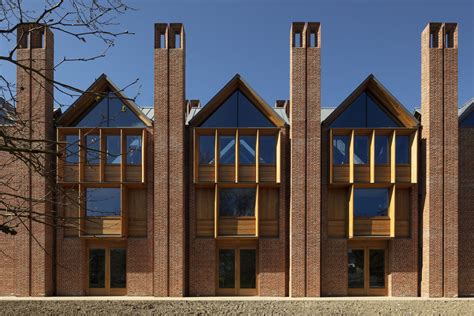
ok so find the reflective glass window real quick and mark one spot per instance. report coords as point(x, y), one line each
point(72, 149)
point(118, 268)
point(370, 202)
point(103, 202)
point(247, 150)
point(226, 150)
point(340, 150)
point(96, 268)
point(468, 121)
point(248, 268)
point(226, 268)
point(206, 150)
point(355, 268)
point(377, 117)
point(361, 150)
point(92, 149)
point(249, 115)
point(402, 149)
point(134, 150)
point(237, 202)
point(267, 150)
point(381, 149)
point(113, 149)
point(377, 268)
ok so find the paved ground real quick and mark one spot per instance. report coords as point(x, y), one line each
point(233, 306)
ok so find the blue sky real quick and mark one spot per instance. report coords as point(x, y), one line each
point(252, 38)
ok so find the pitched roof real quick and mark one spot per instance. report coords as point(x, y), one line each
point(88, 99)
point(7, 113)
point(386, 99)
point(236, 83)
point(465, 109)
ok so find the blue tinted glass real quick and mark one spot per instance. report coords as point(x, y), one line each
point(250, 115)
point(113, 149)
point(103, 202)
point(402, 149)
point(361, 150)
point(206, 150)
point(121, 115)
point(381, 149)
point(134, 150)
point(225, 115)
point(364, 112)
point(267, 150)
point(72, 149)
point(227, 150)
point(237, 111)
point(468, 121)
point(340, 150)
point(247, 150)
point(354, 115)
point(96, 116)
point(237, 202)
point(376, 117)
point(370, 202)
point(110, 112)
point(92, 149)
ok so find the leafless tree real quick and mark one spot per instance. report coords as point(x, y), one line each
point(84, 20)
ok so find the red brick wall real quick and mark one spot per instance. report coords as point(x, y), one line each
point(169, 222)
point(305, 111)
point(440, 139)
point(466, 211)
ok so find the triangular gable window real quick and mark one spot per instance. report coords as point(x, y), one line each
point(468, 121)
point(110, 111)
point(364, 112)
point(237, 111)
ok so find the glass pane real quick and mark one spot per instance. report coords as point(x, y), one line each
point(121, 115)
point(227, 150)
point(377, 117)
point(118, 270)
point(225, 115)
point(226, 268)
point(247, 150)
point(134, 150)
point(248, 268)
point(468, 121)
point(381, 149)
point(237, 202)
point(103, 202)
point(110, 112)
point(402, 149)
point(361, 150)
point(250, 115)
point(93, 149)
point(370, 202)
point(340, 150)
point(377, 268)
point(96, 116)
point(268, 150)
point(354, 115)
point(356, 269)
point(72, 149)
point(206, 150)
point(113, 149)
point(96, 268)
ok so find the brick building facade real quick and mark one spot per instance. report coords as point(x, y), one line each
point(237, 197)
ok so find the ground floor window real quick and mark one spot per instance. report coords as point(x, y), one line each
point(366, 270)
point(107, 270)
point(237, 271)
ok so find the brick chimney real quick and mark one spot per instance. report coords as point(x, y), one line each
point(305, 135)
point(35, 118)
point(169, 172)
point(439, 105)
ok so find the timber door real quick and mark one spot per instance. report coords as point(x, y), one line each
point(237, 271)
point(107, 271)
point(367, 272)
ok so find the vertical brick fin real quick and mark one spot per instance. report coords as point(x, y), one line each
point(439, 134)
point(176, 178)
point(161, 164)
point(450, 115)
point(313, 159)
point(297, 235)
